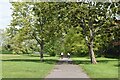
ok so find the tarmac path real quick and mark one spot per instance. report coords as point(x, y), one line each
point(68, 71)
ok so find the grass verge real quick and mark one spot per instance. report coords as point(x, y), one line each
point(24, 66)
point(105, 68)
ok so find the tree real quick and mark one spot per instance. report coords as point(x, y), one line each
point(34, 22)
point(49, 23)
point(92, 17)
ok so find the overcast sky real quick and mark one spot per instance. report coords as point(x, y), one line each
point(5, 13)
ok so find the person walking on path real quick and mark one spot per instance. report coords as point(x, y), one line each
point(61, 54)
point(68, 55)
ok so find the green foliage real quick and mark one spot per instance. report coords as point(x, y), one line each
point(62, 27)
point(6, 52)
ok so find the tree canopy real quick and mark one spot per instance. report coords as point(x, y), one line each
point(77, 28)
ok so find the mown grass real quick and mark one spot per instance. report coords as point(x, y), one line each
point(105, 68)
point(26, 66)
point(29, 66)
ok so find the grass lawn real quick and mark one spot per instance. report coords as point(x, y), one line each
point(24, 66)
point(105, 68)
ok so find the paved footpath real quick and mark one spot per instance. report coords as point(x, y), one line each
point(67, 71)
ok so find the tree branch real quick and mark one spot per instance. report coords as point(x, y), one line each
point(85, 32)
point(33, 35)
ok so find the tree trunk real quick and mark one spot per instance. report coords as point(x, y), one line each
point(41, 50)
point(91, 54)
point(89, 41)
point(91, 51)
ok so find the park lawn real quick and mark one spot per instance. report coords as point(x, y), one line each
point(105, 68)
point(24, 66)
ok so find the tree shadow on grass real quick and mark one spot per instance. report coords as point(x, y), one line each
point(55, 61)
point(37, 55)
point(77, 62)
point(118, 65)
point(48, 61)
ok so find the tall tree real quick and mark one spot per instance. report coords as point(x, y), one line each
point(36, 21)
point(45, 22)
point(92, 17)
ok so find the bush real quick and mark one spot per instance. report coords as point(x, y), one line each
point(52, 54)
point(6, 52)
point(109, 52)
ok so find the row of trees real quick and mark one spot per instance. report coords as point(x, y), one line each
point(62, 27)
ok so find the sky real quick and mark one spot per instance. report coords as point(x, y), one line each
point(5, 13)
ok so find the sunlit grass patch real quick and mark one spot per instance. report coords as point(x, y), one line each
point(23, 66)
point(105, 68)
